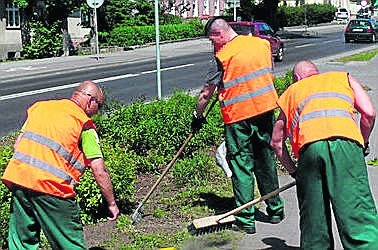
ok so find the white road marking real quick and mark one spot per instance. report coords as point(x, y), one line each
point(28, 68)
point(73, 85)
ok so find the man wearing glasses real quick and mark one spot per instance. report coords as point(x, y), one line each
point(57, 142)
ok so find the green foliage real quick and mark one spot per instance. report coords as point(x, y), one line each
point(193, 171)
point(121, 167)
point(46, 41)
point(125, 36)
point(5, 154)
point(314, 13)
point(156, 131)
point(282, 83)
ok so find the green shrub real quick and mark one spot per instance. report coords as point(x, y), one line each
point(156, 131)
point(194, 171)
point(46, 41)
point(282, 83)
point(125, 36)
point(309, 14)
point(121, 167)
point(6, 152)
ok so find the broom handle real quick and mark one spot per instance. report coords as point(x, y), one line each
point(169, 166)
point(257, 200)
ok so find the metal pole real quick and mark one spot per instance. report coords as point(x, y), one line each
point(96, 31)
point(234, 10)
point(158, 72)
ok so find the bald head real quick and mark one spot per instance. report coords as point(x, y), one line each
point(90, 88)
point(216, 25)
point(219, 32)
point(304, 69)
point(86, 94)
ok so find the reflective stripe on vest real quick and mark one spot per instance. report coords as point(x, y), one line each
point(44, 166)
point(59, 149)
point(248, 77)
point(247, 96)
point(321, 113)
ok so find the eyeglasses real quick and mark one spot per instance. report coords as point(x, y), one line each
point(99, 104)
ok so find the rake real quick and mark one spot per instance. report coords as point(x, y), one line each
point(138, 213)
point(224, 221)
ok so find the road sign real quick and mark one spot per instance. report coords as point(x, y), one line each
point(95, 3)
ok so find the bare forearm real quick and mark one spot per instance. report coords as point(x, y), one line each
point(204, 98)
point(102, 178)
point(366, 126)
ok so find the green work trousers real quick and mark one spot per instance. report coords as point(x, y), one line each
point(249, 154)
point(58, 218)
point(333, 173)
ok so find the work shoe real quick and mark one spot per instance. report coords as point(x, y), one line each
point(238, 228)
point(275, 219)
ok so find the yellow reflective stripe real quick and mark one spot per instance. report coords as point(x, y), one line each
point(44, 166)
point(59, 149)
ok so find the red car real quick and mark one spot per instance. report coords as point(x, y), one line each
point(262, 30)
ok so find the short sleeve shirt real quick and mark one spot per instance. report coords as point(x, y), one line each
point(91, 144)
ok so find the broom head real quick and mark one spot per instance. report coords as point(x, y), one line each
point(211, 224)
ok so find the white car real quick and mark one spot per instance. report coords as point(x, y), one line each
point(342, 14)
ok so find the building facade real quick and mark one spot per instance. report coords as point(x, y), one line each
point(197, 8)
point(10, 30)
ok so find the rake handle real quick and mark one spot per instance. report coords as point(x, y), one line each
point(169, 166)
point(257, 200)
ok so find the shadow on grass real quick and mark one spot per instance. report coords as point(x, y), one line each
point(218, 204)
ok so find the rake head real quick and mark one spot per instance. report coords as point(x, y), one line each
point(138, 214)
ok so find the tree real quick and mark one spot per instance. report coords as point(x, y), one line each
point(265, 11)
point(49, 13)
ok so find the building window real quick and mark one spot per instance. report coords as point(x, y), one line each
point(13, 15)
point(205, 7)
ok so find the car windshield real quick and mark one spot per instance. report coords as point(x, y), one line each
point(343, 10)
point(243, 29)
point(359, 24)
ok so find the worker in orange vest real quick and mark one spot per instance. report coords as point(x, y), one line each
point(318, 114)
point(243, 75)
point(57, 143)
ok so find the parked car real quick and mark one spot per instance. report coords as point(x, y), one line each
point(264, 31)
point(361, 30)
point(342, 14)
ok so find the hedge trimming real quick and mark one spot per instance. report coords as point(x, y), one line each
point(135, 139)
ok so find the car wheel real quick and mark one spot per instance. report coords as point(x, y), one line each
point(347, 40)
point(373, 38)
point(280, 54)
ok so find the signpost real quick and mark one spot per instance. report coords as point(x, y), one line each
point(95, 4)
point(157, 37)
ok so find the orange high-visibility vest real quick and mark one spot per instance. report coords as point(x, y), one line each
point(320, 107)
point(248, 88)
point(48, 158)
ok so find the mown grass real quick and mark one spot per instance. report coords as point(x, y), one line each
point(364, 56)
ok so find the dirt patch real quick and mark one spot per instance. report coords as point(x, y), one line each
point(170, 219)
